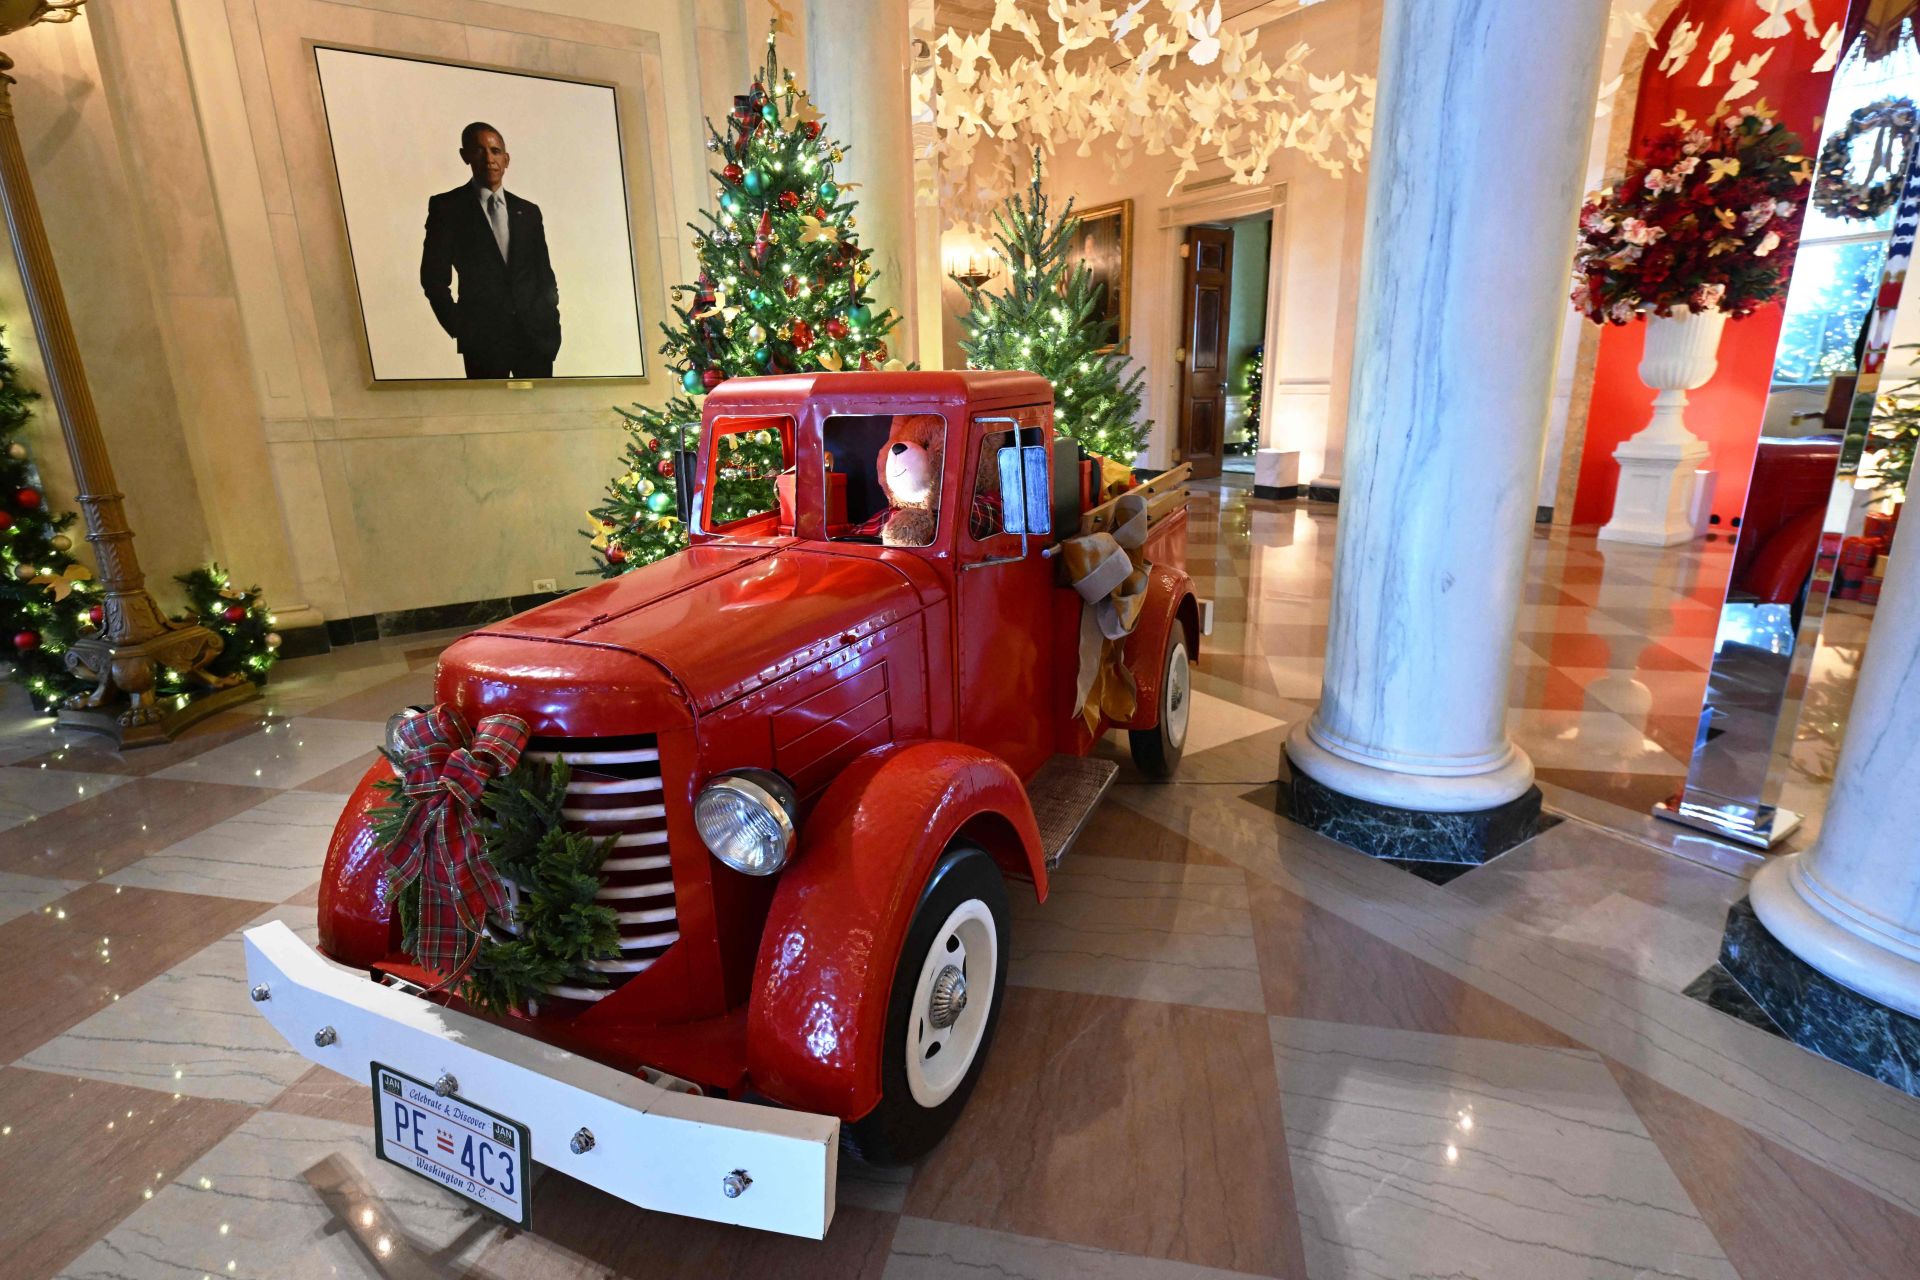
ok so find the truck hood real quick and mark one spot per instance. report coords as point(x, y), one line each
point(722, 621)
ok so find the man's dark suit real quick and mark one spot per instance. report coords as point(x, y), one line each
point(507, 317)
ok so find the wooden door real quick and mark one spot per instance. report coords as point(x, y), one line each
point(1203, 349)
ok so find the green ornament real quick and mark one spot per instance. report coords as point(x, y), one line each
point(860, 313)
point(763, 355)
point(660, 502)
point(828, 193)
point(754, 183)
point(690, 380)
point(729, 202)
point(770, 113)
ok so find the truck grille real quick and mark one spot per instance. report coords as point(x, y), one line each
point(615, 790)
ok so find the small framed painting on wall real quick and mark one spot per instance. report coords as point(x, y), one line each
point(486, 218)
point(1103, 244)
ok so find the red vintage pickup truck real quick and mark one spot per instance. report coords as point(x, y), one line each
point(823, 763)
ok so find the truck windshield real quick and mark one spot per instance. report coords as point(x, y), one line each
point(752, 479)
point(883, 474)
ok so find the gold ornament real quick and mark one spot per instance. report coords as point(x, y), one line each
point(273, 639)
point(61, 542)
point(629, 480)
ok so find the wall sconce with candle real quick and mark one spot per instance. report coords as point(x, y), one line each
point(973, 270)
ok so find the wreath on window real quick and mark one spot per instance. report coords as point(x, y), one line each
point(1890, 125)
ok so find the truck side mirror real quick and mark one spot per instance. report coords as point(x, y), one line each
point(1026, 497)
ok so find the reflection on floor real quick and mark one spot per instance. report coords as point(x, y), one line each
point(1229, 1047)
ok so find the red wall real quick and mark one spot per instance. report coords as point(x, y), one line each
point(1726, 412)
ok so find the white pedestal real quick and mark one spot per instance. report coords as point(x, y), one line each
point(1655, 505)
point(1276, 473)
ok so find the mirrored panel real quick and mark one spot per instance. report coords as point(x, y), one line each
point(1829, 478)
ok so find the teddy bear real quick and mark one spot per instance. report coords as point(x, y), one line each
point(910, 467)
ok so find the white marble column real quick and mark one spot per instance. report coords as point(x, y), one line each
point(1479, 150)
point(858, 57)
point(1850, 906)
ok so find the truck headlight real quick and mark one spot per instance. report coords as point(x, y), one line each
point(746, 818)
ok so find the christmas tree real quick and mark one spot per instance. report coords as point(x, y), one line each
point(782, 289)
point(45, 594)
point(1050, 320)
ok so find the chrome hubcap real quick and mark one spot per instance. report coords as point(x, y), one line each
point(949, 999)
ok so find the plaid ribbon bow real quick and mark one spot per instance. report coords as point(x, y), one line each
point(444, 770)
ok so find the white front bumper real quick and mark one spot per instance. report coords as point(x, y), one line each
point(652, 1147)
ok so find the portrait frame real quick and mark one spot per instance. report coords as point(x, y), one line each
point(1103, 243)
point(615, 273)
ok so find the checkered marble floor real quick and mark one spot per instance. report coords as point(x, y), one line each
point(1229, 1047)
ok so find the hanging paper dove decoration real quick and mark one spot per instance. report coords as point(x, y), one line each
point(1132, 78)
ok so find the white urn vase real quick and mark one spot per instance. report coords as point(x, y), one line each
point(1661, 477)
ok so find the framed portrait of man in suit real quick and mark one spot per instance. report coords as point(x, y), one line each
point(1103, 243)
point(487, 221)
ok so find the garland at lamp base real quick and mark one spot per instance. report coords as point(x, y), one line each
point(464, 813)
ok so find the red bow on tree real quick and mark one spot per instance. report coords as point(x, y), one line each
point(444, 771)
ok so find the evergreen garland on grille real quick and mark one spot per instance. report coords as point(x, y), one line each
point(559, 928)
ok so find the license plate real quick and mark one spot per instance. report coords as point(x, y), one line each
point(466, 1148)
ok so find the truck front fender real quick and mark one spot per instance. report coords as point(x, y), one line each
point(1169, 597)
point(816, 1018)
point(356, 923)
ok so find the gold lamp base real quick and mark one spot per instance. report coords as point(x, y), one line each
point(123, 704)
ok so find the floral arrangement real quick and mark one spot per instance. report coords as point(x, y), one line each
point(1706, 218)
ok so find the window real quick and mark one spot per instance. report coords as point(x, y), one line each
point(883, 475)
point(1837, 273)
point(985, 514)
point(752, 476)
point(986, 510)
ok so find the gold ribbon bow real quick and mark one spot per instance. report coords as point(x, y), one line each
point(1109, 571)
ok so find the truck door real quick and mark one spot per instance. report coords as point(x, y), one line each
point(1003, 615)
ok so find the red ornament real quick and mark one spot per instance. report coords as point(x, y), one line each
point(789, 201)
point(28, 498)
point(97, 614)
point(25, 640)
point(712, 378)
point(6, 521)
point(802, 335)
point(836, 327)
point(813, 128)
point(879, 351)
point(732, 173)
point(664, 468)
point(616, 556)
point(234, 613)
point(791, 285)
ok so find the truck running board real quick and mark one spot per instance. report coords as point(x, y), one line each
point(1064, 792)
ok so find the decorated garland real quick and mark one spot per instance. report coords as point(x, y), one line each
point(1836, 193)
point(492, 891)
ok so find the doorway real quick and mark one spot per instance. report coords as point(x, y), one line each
point(1222, 336)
